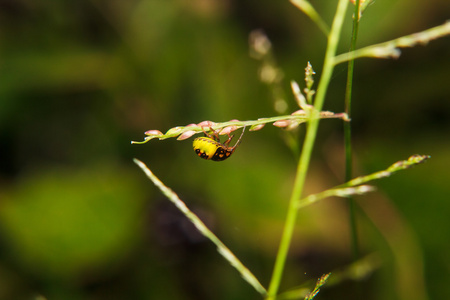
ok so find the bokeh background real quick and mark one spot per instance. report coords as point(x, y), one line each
point(81, 79)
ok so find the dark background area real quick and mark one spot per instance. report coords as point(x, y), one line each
point(81, 79)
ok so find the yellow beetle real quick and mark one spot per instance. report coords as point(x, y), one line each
point(209, 146)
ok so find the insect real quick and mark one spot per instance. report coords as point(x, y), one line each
point(210, 147)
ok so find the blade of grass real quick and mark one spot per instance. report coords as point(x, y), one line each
point(221, 248)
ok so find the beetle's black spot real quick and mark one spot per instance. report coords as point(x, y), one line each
point(221, 154)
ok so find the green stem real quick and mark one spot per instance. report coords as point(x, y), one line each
point(308, 145)
point(348, 135)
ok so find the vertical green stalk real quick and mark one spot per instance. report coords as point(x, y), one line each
point(308, 145)
point(348, 134)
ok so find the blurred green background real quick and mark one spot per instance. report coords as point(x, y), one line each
point(80, 79)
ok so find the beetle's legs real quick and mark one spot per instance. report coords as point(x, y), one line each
point(239, 140)
point(227, 142)
point(214, 137)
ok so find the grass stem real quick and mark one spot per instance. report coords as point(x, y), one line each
point(308, 145)
point(348, 134)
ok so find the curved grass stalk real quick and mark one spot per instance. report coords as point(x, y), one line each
point(290, 121)
point(221, 248)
